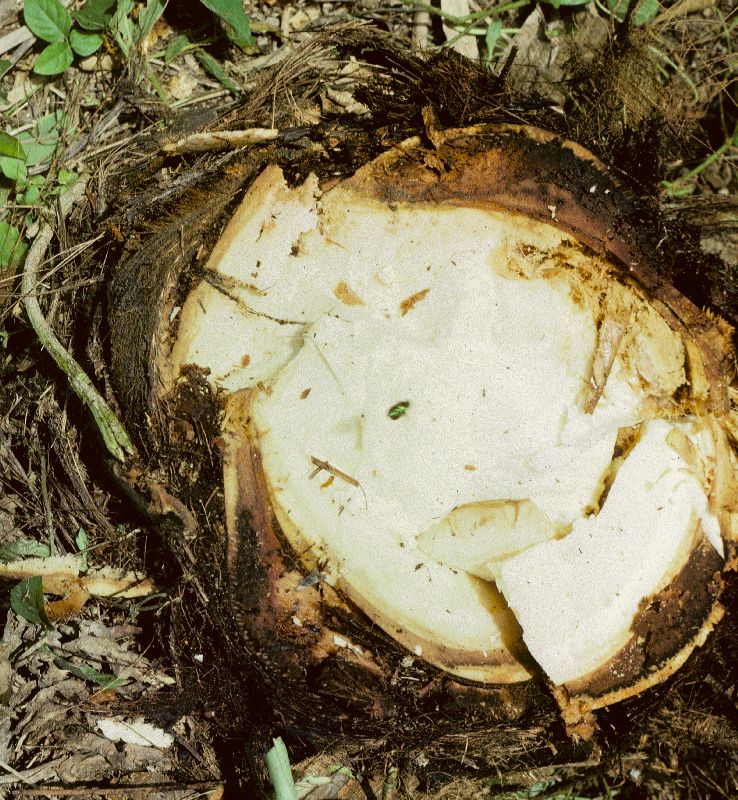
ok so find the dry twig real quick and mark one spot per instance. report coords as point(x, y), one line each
point(219, 140)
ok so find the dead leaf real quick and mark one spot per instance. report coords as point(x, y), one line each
point(465, 44)
point(535, 58)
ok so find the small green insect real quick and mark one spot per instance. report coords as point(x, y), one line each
point(398, 409)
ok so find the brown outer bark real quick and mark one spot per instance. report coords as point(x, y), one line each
point(143, 290)
point(667, 628)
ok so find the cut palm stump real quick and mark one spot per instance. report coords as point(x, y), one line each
point(459, 391)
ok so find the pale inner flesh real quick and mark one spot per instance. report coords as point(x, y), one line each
point(433, 414)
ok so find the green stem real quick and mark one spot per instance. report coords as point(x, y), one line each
point(280, 772)
point(674, 187)
point(390, 784)
point(112, 431)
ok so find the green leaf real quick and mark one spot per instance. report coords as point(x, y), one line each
point(47, 19)
point(27, 600)
point(10, 146)
point(13, 168)
point(491, 37)
point(215, 69)
point(85, 44)
point(176, 47)
point(12, 247)
point(122, 27)
point(40, 144)
point(106, 680)
point(48, 123)
point(54, 59)
point(23, 548)
point(645, 12)
point(5, 67)
point(398, 409)
point(39, 151)
point(148, 16)
point(94, 15)
point(66, 178)
point(31, 194)
point(232, 14)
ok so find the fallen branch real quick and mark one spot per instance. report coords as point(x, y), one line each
point(112, 431)
point(219, 140)
point(682, 9)
point(204, 789)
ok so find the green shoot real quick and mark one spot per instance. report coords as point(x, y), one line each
point(683, 185)
point(215, 69)
point(491, 37)
point(31, 150)
point(280, 771)
point(12, 248)
point(112, 431)
point(27, 600)
point(103, 679)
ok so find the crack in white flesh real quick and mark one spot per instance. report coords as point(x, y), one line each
point(421, 406)
point(576, 598)
point(245, 349)
point(476, 537)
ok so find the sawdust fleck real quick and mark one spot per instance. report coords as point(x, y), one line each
point(409, 303)
point(347, 295)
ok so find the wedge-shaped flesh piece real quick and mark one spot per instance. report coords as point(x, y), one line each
point(576, 599)
point(476, 537)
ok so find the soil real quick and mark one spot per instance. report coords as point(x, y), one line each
point(339, 82)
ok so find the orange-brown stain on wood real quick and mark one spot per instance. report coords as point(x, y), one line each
point(409, 302)
point(347, 295)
